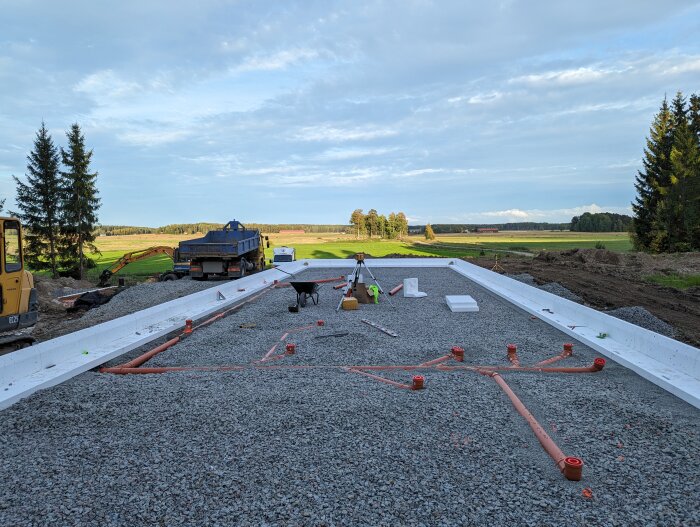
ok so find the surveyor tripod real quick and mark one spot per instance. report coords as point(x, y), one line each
point(354, 277)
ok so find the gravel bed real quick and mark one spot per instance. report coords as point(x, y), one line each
point(323, 446)
point(641, 317)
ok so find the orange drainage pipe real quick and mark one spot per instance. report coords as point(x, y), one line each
point(571, 467)
point(418, 381)
point(340, 285)
point(568, 352)
point(513, 355)
point(120, 370)
point(396, 290)
point(138, 361)
point(598, 364)
point(321, 281)
point(436, 361)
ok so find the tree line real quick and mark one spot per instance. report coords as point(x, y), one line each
point(456, 228)
point(601, 222)
point(57, 204)
point(667, 205)
point(203, 227)
point(374, 224)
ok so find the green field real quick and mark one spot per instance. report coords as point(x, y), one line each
point(343, 245)
point(675, 281)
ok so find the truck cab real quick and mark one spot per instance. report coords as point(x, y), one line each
point(282, 255)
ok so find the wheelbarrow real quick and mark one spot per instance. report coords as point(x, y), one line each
point(306, 290)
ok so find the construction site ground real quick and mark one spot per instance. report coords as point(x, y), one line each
point(300, 440)
point(607, 280)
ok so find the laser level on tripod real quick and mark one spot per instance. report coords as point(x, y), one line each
point(354, 277)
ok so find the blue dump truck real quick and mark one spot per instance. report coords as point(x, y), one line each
point(231, 252)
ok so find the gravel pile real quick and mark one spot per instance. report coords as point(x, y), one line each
point(322, 446)
point(552, 287)
point(132, 299)
point(641, 317)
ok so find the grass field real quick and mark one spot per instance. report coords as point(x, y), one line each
point(342, 245)
point(676, 281)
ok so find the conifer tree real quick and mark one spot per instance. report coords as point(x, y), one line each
point(694, 116)
point(38, 201)
point(682, 196)
point(655, 175)
point(80, 202)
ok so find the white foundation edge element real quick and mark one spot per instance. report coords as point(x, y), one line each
point(672, 365)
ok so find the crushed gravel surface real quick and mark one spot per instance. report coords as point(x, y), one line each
point(322, 446)
point(641, 317)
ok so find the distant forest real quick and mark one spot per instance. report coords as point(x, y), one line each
point(587, 222)
point(194, 228)
point(601, 222)
point(452, 228)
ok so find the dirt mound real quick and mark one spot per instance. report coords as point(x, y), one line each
point(596, 256)
point(48, 289)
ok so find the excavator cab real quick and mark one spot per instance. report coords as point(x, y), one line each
point(18, 298)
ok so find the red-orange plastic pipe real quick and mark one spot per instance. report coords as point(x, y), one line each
point(121, 370)
point(141, 359)
point(568, 351)
point(436, 361)
point(382, 379)
point(396, 289)
point(571, 467)
point(598, 364)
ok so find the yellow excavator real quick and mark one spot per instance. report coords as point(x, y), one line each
point(18, 298)
point(180, 268)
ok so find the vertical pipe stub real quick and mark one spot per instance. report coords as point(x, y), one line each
point(568, 348)
point(458, 353)
point(291, 349)
point(512, 349)
point(418, 382)
point(320, 322)
point(188, 327)
point(573, 468)
point(599, 363)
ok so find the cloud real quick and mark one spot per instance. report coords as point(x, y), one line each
point(106, 84)
point(344, 154)
point(277, 61)
point(582, 75)
point(326, 132)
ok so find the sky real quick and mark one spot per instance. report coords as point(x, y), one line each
point(300, 112)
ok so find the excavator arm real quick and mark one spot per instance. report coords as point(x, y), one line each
point(132, 257)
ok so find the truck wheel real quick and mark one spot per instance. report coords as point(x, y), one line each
point(167, 277)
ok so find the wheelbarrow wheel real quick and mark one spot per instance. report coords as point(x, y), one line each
point(302, 299)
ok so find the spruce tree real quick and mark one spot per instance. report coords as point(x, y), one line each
point(38, 201)
point(682, 197)
point(694, 116)
point(648, 182)
point(80, 202)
